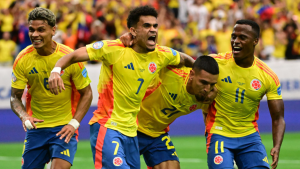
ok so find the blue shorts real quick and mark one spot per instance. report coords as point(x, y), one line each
point(247, 151)
point(156, 150)
point(111, 149)
point(42, 145)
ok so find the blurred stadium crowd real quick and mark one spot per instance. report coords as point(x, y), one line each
point(192, 26)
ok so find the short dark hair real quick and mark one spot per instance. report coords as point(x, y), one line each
point(40, 13)
point(253, 24)
point(134, 15)
point(207, 63)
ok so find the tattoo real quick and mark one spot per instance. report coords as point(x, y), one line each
point(16, 103)
point(186, 60)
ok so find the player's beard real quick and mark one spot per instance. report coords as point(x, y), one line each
point(200, 98)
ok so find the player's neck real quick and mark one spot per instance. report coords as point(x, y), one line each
point(246, 62)
point(47, 49)
point(137, 48)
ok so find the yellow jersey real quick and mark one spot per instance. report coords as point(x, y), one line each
point(235, 110)
point(166, 101)
point(124, 78)
point(33, 70)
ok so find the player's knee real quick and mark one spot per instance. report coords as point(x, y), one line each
point(170, 164)
point(58, 163)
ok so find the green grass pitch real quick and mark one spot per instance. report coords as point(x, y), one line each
point(191, 152)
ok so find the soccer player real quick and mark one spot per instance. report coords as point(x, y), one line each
point(50, 121)
point(231, 127)
point(180, 92)
point(125, 76)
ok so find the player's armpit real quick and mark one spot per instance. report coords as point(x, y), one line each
point(185, 60)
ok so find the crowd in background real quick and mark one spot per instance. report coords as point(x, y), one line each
point(192, 26)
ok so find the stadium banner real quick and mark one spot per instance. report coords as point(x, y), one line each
point(287, 71)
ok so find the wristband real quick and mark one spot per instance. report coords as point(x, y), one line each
point(28, 125)
point(74, 123)
point(56, 69)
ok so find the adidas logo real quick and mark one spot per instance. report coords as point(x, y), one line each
point(66, 152)
point(173, 95)
point(129, 66)
point(227, 79)
point(266, 160)
point(33, 71)
point(175, 154)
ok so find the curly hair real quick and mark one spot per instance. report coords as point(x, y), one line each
point(40, 13)
point(134, 15)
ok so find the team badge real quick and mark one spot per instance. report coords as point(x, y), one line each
point(173, 52)
point(62, 72)
point(13, 77)
point(117, 161)
point(152, 67)
point(193, 107)
point(84, 72)
point(218, 159)
point(98, 45)
point(255, 84)
point(279, 90)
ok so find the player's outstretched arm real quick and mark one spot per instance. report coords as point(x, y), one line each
point(55, 82)
point(19, 109)
point(185, 60)
point(84, 104)
point(276, 108)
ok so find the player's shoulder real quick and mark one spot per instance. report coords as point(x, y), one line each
point(177, 72)
point(23, 55)
point(63, 49)
point(164, 50)
point(266, 70)
point(108, 45)
point(222, 56)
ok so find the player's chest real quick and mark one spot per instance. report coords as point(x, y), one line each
point(241, 84)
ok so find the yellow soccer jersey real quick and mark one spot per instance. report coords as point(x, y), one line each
point(167, 102)
point(235, 110)
point(33, 70)
point(124, 78)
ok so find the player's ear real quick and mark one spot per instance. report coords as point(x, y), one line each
point(53, 30)
point(192, 74)
point(133, 32)
point(255, 42)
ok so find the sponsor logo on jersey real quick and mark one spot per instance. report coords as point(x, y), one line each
point(84, 72)
point(255, 84)
point(129, 66)
point(173, 52)
point(13, 77)
point(152, 67)
point(117, 161)
point(62, 72)
point(279, 90)
point(98, 45)
point(226, 79)
point(193, 107)
point(218, 159)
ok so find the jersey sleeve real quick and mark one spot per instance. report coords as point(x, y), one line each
point(274, 90)
point(102, 51)
point(18, 78)
point(172, 57)
point(80, 76)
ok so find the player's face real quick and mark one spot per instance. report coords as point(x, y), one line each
point(243, 41)
point(146, 32)
point(202, 83)
point(40, 33)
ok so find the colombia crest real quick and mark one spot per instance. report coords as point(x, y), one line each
point(255, 84)
point(152, 67)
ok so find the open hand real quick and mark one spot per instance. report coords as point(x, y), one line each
point(275, 155)
point(55, 83)
point(67, 131)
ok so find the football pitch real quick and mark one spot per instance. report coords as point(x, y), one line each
point(191, 152)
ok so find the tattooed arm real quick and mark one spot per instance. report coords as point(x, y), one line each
point(19, 109)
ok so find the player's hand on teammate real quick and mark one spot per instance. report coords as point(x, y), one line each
point(275, 155)
point(127, 39)
point(28, 122)
point(56, 84)
point(211, 96)
point(66, 132)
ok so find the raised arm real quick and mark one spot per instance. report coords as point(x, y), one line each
point(185, 60)
point(19, 109)
point(84, 103)
point(276, 108)
point(55, 81)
